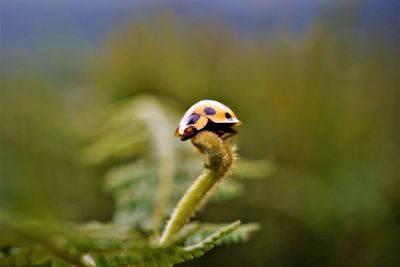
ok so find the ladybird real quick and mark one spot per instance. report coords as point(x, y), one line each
point(208, 115)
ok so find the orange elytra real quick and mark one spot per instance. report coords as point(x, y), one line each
point(208, 115)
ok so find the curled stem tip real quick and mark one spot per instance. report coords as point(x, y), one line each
point(220, 157)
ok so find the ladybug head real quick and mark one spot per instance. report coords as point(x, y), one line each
point(190, 125)
point(187, 133)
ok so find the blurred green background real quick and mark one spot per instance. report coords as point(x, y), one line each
point(319, 98)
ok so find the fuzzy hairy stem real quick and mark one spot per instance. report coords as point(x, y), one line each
point(219, 161)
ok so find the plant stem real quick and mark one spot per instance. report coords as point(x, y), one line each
point(220, 156)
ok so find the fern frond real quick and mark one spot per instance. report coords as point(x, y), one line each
point(138, 128)
point(210, 241)
point(241, 234)
point(163, 256)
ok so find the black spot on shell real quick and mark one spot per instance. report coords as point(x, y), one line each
point(192, 119)
point(228, 116)
point(209, 111)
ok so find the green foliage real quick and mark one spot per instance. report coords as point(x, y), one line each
point(165, 256)
point(100, 245)
point(147, 171)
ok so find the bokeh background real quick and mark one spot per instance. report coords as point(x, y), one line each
point(316, 84)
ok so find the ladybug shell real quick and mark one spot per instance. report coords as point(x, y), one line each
point(198, 115)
